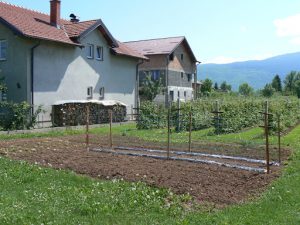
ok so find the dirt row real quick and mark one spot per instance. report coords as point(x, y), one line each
point(206, 183)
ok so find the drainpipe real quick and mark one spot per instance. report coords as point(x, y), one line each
point(32, 75)
point(138, 83)
point(196, 80)
point(167, 80)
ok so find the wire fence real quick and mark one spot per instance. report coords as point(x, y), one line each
point(249, 151)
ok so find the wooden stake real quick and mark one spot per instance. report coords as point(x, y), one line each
point(110, 129)
point(168, 151)
point(87, 139)
point(279, 138)
point(190, 131)
point(267, 135)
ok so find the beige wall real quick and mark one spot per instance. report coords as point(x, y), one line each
point(186, 65)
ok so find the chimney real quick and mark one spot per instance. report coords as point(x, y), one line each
point(55, 13)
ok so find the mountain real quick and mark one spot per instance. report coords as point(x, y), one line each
point(255, 72)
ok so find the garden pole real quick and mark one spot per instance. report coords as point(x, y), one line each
point(110, 129)
point(190, 131)
point(87, 126)
point(168, 151)
point(279, 139)
point(267, 135)
point(217, 117)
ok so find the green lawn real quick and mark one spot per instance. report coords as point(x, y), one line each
point(33, 195)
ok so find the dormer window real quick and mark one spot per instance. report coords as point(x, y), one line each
point(3, 49)
point(90, 51)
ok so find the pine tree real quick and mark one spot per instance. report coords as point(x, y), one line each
point(276, 83)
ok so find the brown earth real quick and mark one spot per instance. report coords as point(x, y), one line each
point(206, 183)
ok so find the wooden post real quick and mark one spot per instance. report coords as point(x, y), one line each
point(190, 131)
point(279, 138)
point(217, 117)
point(267, 135)
point(87, 138)
point(110, 129)
point(168, 150)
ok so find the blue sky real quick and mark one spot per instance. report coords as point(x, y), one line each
point(218, 31)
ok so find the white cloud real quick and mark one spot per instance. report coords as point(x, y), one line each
point(243, 29)
point(295, 41)
point(288, 27)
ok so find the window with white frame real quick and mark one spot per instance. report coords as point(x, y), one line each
point(99, 53)
point(3, 49)
point(90, 92)
point(90, 51)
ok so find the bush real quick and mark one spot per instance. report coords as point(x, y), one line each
point(238, 113)
point(17, 116)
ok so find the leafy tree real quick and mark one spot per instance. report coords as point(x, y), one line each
point(245, 89)
point(216, 87)
point(289, 82)
point(276, 83)
point(268, 90)
point(206, 86)
point(225, 87)
point(297, 88)
point(151, 88)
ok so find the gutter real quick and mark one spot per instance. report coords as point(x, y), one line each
point(196, 80)
point(138, 82)
point(167, 79)
point(32, 75)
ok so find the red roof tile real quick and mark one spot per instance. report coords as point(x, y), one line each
point(32, 24)
point(35, 24)
point(123, 49)
point(76, 29)
point(156, 46)
point(160, 46)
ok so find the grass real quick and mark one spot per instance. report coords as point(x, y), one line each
point(34, 195)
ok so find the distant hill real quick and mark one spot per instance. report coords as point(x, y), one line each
point(255, 72)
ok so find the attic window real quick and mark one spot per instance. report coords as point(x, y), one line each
point(90, 51)
point(171, 57)
point(181, 57)
point(99, 53)
point(3, 49)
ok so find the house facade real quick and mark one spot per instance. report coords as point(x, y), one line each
point(171, 60)
point(46, 59)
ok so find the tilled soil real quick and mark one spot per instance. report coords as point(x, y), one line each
point(206, 183)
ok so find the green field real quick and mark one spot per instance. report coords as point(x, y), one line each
point(30, 194)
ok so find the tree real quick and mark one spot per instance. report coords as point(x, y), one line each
point(268, 90)
point(216, 87)
point(245, 89)
point(151, 88)
point(225, 87)
point(206, 86)
point(289, 82)
point(297, 88)
point(276, 83)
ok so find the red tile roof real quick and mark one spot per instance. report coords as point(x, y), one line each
point(76, 29)
point(33, 24)
point(156, 46)
point(123, 49)
point(160, 46)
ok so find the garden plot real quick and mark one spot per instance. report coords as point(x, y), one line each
point(204, 182)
